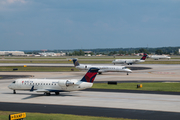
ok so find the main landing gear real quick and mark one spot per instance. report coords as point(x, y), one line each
point(127, 73)
point(48, 94)
point(14, 91)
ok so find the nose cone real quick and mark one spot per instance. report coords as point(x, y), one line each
point(10, 86)
point(128, 70)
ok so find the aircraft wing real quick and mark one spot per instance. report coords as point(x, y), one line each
point(49, 90)
point(102, 70)
point(42, 90)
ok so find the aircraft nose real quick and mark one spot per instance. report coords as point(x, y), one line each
point(10, 86)
point(129, 70)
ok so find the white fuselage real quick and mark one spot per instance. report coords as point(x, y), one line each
point(105, 68)
point(49, 85)
point(127, 61)
point(156, 57)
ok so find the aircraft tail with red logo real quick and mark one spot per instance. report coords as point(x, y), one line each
point(90, 75)
point(144, 56)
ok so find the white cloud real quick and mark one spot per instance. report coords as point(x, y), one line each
point(11, 1)
point(4, 4)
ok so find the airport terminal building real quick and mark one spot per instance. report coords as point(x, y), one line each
point(13, 53)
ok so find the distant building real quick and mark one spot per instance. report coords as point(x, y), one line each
point(52, 54)
point(87, 55)
point(13, 53)
point(87, 52)
point(179, 51)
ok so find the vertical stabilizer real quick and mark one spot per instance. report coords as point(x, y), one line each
point(144, 56)
point(90, 75)
point(76, 63)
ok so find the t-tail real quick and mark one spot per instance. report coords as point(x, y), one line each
point(76, 63)
point(144, 56)
point(90, 75)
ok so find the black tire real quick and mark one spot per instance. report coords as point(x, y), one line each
point(57, 93)
point(47, 94)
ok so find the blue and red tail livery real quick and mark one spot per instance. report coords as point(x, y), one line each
point(76, 63)
point(144, 56)
point(90, 75)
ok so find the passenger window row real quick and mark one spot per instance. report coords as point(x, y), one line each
point(39, 83)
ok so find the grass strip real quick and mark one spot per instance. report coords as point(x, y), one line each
point(157, 86)
point(37, 69)
point(57, 62)
point(161, 62)
point(84, 62)
point(41, 116)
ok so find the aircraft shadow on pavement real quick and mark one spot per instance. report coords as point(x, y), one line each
point(40, 95)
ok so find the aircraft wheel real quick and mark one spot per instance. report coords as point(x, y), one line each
point(57, 93)
point(14, 92)
point(100, 72)
point(127, 73)
point(47, 94)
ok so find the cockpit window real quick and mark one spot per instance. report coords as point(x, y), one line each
point(14, 82)
point(124, 68)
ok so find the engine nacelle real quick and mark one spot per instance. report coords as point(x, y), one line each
point(65, 83)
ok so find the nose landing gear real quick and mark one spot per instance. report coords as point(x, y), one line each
point(14, 91)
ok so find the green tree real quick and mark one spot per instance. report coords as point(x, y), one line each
point(122, 52)
point(176, 52)
point(142, 50)
point(159, 52)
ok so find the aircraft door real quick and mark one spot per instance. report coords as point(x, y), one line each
point(17, 85)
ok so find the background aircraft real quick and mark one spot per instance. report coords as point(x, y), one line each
point(54, 85)
point(129, 61)
point(102, 68)
point(157, 57)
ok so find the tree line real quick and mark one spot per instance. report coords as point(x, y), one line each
point(120, 51)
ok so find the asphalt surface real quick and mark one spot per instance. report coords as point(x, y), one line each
point(94, 102)
point(90, 111)
point(132, 91)
point(14, 76)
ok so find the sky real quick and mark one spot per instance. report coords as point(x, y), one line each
point(88, 24)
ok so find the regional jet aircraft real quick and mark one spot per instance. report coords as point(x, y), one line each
point(129, 61)
point(55, 85)
point(156, 57)
point(102, 68)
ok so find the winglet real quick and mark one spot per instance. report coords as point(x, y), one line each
point(32, 89)
point(144, 56)
point(90, 75)
point(76, 63)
